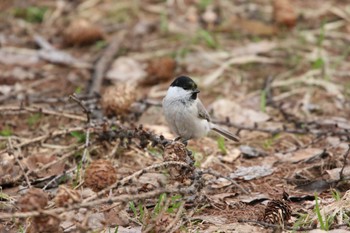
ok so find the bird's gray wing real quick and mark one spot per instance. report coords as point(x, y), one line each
point(202, 112)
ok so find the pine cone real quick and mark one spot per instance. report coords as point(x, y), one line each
point(100, 174)
point(159, 70)
point(44, 224)
point(177, 152)
point(278, 211)
point(66, 196)
point(34, 199)
point(117, 100)
point(82, 32)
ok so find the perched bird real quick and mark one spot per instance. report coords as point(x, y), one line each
point(186, 114)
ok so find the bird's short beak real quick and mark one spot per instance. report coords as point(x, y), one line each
point(196, 91)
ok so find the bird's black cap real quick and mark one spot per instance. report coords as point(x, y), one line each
point(184, 82)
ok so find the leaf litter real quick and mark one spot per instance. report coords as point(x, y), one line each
point(102, 159)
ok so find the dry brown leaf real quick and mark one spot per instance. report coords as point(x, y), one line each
point(34, 162)
point(9, 169)
point(116, 216)
point(251, 27)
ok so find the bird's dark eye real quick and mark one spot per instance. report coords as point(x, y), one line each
point(194, 96)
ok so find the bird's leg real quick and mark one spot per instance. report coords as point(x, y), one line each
point(184, 141)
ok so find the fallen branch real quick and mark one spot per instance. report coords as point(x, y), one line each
point(104, 62)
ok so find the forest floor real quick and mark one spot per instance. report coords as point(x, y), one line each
point(84, 146)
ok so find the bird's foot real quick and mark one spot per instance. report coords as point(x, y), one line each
point(184, 141)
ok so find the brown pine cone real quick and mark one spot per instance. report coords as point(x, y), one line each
point(278, 211)
point(117, 100)
point(100, 174)
point(44, 224)
point(34, 199)
point(177, 152)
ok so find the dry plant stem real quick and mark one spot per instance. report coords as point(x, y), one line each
point(13, 152)
point(172, 228)
point(92, 204)
point(341, 173)
point(59, 176)
point(41, 110)
point(104, 62)
point(87, 143)
point(164, 207)
point(44, 137)
point(135, 175)
point(81, 104)
point(216, 174)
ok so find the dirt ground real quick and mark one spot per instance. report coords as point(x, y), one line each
point(84, 146)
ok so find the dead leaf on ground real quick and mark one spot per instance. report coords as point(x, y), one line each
point(300, 155)
point(231, 156)
point(126, 69)
point(334, 174)
point(216, 220)
point(220, 183)
point(224, 198)
point(9, 169)
point(154, 180)
point(253, 27)
point(116, 216)
point(34, 162)
point(223, 108)
point(253, 172)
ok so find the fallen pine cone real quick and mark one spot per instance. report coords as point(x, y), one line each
point(44, 224)
point(278, 211)
point(177, 152)
point(82, 32)
point(100, 174)
point(159, 70)
point(34, 199)
point(117, 100)
point(284, 13)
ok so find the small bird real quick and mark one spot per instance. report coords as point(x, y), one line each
point(186, 114)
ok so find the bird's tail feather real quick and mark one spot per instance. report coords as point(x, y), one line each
point(225, 133)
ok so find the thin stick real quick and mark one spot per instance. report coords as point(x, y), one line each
point(41, 110)
point(171, 228)
point(104, 62)
point(341, 173)
point(13, 152)
point(81, 104)
point(44, 137)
